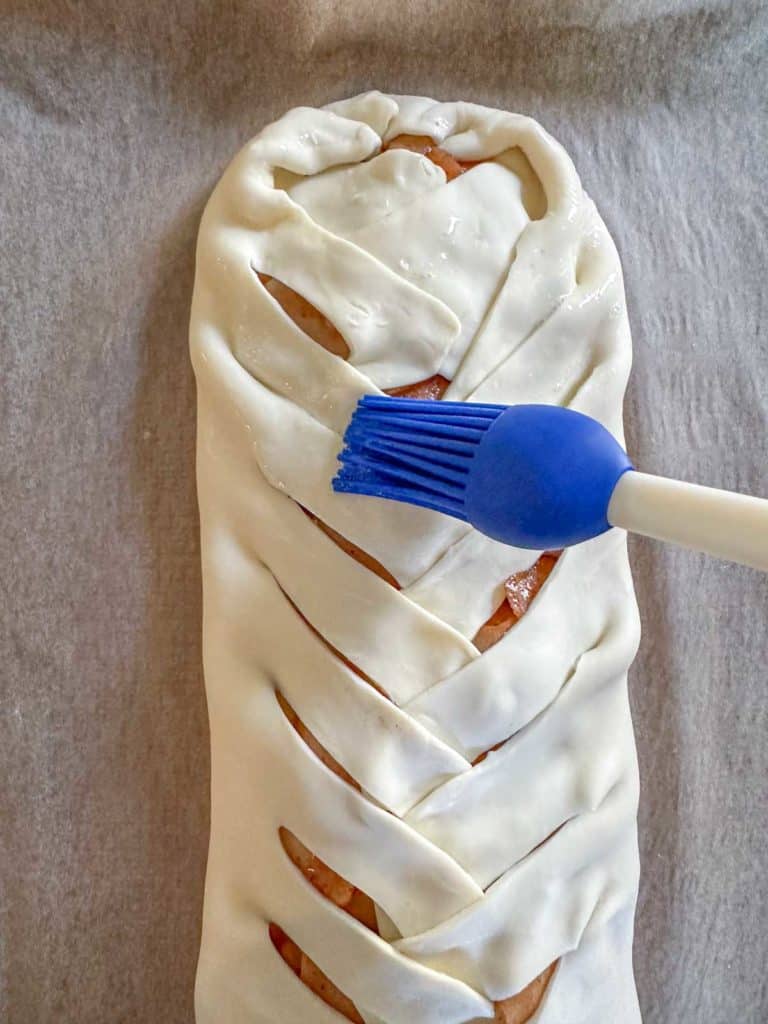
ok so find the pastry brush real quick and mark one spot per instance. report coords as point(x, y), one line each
point(535, 476)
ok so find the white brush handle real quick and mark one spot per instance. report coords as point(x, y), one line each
point(724, 524)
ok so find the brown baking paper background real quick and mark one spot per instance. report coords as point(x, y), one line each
point(116, 120)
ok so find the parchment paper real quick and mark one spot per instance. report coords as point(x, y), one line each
point(117, 117)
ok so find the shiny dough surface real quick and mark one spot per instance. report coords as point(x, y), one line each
point(485, 869)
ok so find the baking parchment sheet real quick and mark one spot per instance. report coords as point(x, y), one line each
point(116, 119)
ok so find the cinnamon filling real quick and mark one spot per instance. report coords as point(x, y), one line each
point(354, 551)
point(314, 745)
point(521, 1007)
point(432, 388)
point(428, 147)
point(520, 590)
point(330, 884)
point(306, 317)
point(311, 975)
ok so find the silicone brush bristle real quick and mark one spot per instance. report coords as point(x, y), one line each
point(412, 450)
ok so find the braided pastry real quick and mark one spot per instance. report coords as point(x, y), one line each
point(424, 784)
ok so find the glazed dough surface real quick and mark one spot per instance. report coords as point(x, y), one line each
point(505, 281)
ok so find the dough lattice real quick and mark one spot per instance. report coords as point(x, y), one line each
point(506, 282)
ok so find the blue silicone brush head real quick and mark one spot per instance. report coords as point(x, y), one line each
point(535, 476)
